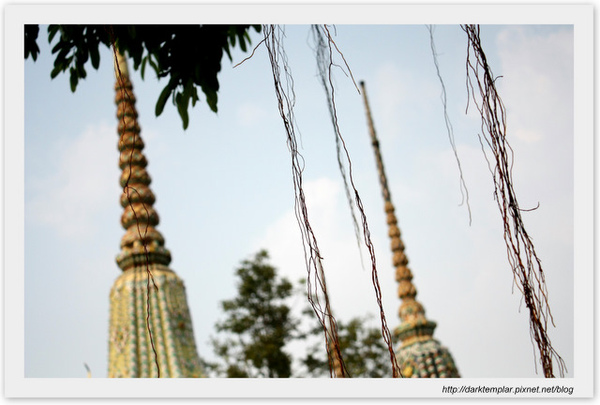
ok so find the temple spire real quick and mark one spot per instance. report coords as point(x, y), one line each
point(419, 354)
point(155, 338)
point(141, 240)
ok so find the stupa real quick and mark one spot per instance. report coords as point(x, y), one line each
point(150, 332)
point(419, 354)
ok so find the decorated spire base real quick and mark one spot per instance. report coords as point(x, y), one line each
point(130, 352)
point(420, 355)
point(426, 359)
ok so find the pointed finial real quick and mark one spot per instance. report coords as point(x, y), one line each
point(139, 217)
point(411, 311)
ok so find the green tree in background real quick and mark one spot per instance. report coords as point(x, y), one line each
point(258, 324)
point(364, 353)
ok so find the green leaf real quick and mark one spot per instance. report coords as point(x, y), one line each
point(242, 42)
point(227, 51)
point(153, 64)
point(58, 67)
point(211, 99)
point(34, 50)
point(187, 93)
point(194, 96)
point(31, 47)
point(81, 54)
point(74, 79)
point(52, 30)
point(143, 67)
point(182, 109)
point(137, 58)
point(162, 99)
point(95, 55)
point(81, 73)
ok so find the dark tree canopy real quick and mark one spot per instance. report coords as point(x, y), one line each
point(188, 55)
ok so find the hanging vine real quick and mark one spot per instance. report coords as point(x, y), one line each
point(316, 286)
point(463, 186)
point(324, 64)
point(526, 265)
point(325, 61)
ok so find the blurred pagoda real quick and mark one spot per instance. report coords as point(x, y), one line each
point(155, 338)
point(419, 354)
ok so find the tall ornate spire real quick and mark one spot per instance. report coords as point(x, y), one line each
point(155, 338)
point(419, 354)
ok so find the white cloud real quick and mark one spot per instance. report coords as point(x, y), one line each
point(84, 183)
point(537, 83)
point(250, 114)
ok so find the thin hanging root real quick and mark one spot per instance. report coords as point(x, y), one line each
point(251, 55)
point(285, 98)
point(463, 186)
point(324, 64)
point(525, 264)
point(325, 61)
point(127, 189)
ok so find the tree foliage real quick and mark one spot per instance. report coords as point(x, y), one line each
point(365, 354)
point(189, 56)
point(258, 324)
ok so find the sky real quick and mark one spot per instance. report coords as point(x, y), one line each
point(224, 190)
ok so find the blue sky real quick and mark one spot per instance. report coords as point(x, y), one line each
point(224, 190)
